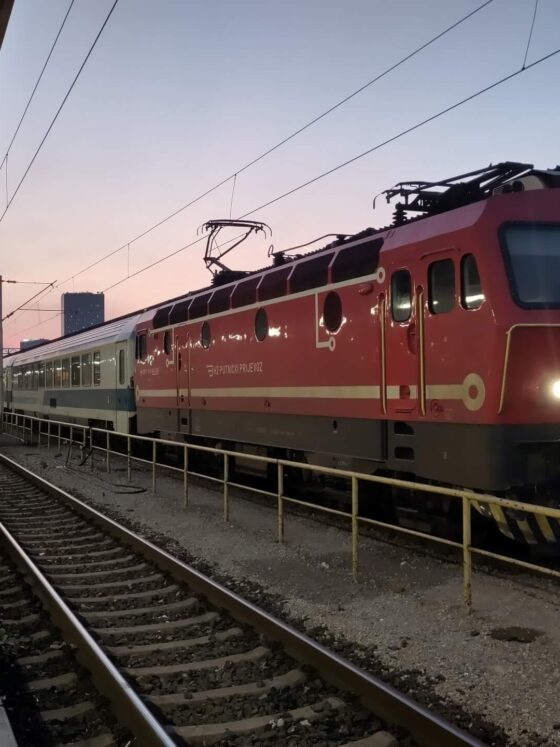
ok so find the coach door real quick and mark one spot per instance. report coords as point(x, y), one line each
point(404, 341)
point(123, 392)
point(183, 372)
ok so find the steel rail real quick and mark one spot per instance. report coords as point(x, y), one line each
point(125, 702)
point(427, 728)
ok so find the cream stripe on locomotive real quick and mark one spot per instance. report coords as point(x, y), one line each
point(472, 392)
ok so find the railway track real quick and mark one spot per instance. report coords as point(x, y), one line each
point(181, 659)
point(39, 672)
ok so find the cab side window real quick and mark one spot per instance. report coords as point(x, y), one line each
point(472, 295)
point(441, 286)
point(401, 295)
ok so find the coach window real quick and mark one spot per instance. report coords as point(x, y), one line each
point(41, 375)
point(96, 368)
point(86, 369)
point(205, 335)
point(75, 370)
point(65, 372)
point(401, 295)
point(332, 311)
point(167, 342)
point(35, 376)
point(57, 373)
point(49, 374)
point(121, 367)
point(441, 286)
point(472, 294)
point(261, 325)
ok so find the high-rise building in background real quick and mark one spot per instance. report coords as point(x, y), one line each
point(81, 310)
point(28, 344)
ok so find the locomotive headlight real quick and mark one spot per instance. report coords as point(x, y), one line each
point(555, 389)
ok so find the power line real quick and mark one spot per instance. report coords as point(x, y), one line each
point(59, 110)
point(33, 297)
point(531, 32)
point(37, 324)
point(167, 256)
point(403, 132)
point(282, 142)
point(36, 86)
point(392, 139)
point(399, 135)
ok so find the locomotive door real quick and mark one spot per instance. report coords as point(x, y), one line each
point(183, 371)
point(404, 342)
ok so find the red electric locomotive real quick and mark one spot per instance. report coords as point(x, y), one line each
point(429, 349)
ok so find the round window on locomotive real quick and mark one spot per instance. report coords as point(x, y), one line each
point(167, 342)
point(261, 325)
point(205, 335)
point(332, 312)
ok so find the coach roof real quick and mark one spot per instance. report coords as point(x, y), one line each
point(111, 332)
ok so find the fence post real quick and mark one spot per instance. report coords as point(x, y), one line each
point(280, 502)
point(355, 510)
point(39, 434)
point(467, 558)
point(128, 459)
point(59, 437)
point(92, 450)
point(154, 447)
point(185, 476)
point(48, 435)
point(108, 452)
point(71, 441)
point(226, 487)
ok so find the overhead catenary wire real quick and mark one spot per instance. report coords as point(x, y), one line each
point(37, 324)
point(531, 32)
point(138, 272)
point(324, 174)
point(64, 100)
point(34, 90)
point(402, 133)
point(269, 151)
point(32, 298)
point(282, 142)
point(367, 152)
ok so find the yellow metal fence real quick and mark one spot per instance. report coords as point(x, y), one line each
point(48, 432)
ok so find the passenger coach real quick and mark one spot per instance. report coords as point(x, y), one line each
point(84, 378)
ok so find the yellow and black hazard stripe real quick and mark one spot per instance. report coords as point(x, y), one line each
point(522, 526)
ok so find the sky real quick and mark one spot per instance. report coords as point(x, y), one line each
point(180, 94)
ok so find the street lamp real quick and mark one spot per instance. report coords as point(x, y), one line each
point(2, 320)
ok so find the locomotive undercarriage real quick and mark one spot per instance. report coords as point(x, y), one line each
point(520, 462)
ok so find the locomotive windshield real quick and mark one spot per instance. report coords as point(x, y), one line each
point(532, 253)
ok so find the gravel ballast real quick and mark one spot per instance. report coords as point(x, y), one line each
point(495, 672)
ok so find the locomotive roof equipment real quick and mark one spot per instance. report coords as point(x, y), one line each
point(214, 251)
point(431, 198)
